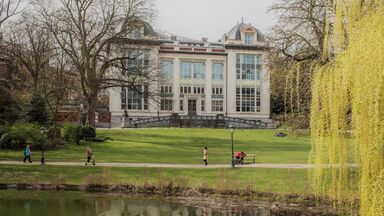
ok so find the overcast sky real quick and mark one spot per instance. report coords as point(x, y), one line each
point(210, 18)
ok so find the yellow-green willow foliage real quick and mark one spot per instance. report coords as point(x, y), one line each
point(292, 90)
point(347, 111)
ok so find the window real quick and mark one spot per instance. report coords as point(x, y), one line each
point(248, 67)
point(258, 100)
point(217, 106)
point(258, 66)
point(248, 38)
point(135, 32)
point(166, 89)
point(145, 94)
point(192, 70)
point(166, 70)
point(217, 91)
point(217, 71)
point(199, 70)
point(134, 98)
point(202, 105)
point(137, 60)
point(123, 96)
point(185, 70)
point(166, 104)
point(248, 99)
point(238, 100)
point(181, 105)
point(191, 90)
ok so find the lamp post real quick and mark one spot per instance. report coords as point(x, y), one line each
point(42, 161)
point(232, 131)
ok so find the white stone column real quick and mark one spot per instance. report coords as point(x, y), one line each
point(115, 99)
point(265, 89)
point(176, 86)
point(208, 86)
point(231, 83)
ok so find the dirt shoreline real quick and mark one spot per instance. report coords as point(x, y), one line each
point(278, 204)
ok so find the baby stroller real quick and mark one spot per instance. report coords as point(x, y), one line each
point(92, 160)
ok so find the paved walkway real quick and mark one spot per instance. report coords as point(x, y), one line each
point(192, 166)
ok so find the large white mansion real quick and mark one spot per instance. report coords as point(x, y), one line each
point(228, 77)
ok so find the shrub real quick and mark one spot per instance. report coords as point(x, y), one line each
point(88, 132)
point(68, 131)
point(6, 140)
point(4, 129)
point(54, 133)
point(76, 133)
point(20, 134)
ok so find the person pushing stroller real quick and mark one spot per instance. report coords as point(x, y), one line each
point(89, 154)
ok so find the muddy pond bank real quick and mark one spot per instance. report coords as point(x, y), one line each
point(248, 202)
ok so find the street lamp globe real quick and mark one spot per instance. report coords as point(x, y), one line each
point(232, 129)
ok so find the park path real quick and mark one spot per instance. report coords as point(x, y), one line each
point(161, 165)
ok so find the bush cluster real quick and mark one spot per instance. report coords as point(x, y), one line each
point(20, 134)
point(76, 133)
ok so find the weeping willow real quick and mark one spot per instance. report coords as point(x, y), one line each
point(292, 90)
point(347, 109)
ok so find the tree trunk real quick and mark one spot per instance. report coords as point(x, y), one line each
point(91, 111)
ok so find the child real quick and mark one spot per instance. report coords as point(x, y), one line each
point(205, 155)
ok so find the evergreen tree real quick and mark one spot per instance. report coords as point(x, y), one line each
point(37, 112)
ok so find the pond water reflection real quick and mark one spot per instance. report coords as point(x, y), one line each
point(37, 203)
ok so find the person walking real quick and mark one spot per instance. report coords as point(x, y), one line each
point(89, 154)
point(205, 155)
point(27, 154)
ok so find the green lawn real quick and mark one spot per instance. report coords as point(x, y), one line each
point(260, 179)
point(181, 146)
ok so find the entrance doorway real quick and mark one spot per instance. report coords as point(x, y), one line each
point(191, 107)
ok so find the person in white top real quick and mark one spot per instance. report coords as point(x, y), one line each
point(205, 155)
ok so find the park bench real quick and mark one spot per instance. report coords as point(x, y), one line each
point(248, 157)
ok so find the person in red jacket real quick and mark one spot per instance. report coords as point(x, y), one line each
point(240, 156)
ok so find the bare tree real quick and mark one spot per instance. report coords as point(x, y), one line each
point(56, 84)
point(299, 34)
point(30, 44)
point(85, 30)
point(8, 8)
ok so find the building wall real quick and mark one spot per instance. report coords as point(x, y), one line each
point(207, 53)
point(233, 83)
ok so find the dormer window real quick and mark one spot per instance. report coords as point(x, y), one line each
point(248, 38)
point(135, 33)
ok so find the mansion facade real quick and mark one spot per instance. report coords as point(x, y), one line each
point(229, 77)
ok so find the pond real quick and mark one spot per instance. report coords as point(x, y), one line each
point(31, 203)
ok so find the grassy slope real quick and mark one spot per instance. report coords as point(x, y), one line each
point(268, 180)
point(181, 146)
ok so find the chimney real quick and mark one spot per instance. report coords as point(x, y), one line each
point(204, 39)
point(173, 37)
